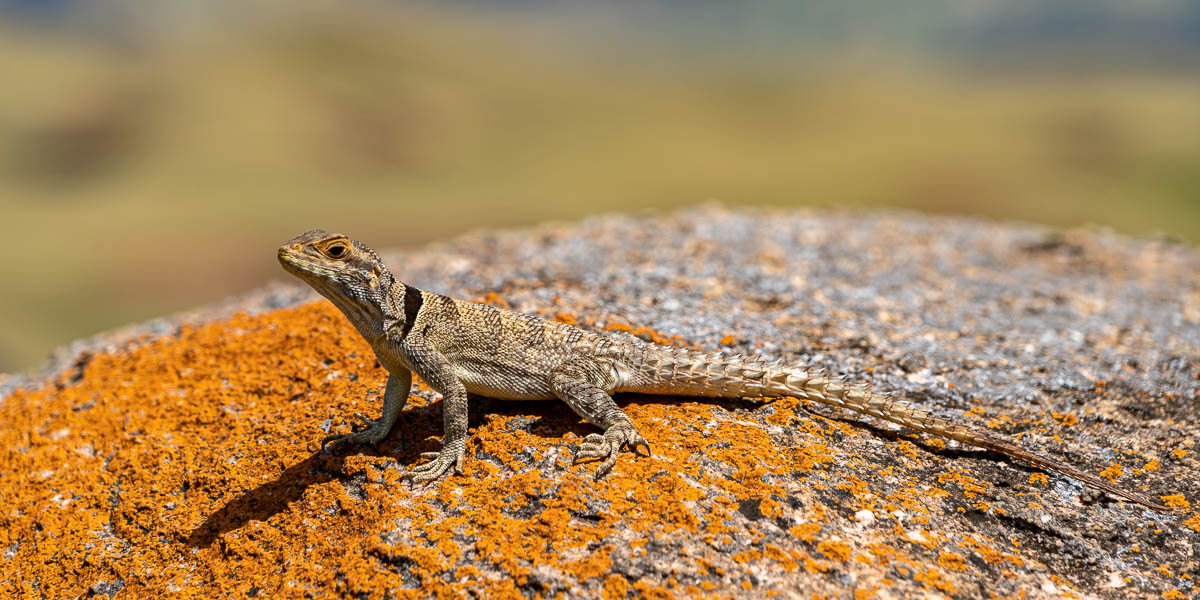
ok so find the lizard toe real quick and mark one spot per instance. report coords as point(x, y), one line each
point(419, 474)
point(442, 462)
point(605, 467)
point(325, 441)
point(330, 442)
point(601, 450)
point(640, 442)
point(608, 446)
point(594, 445)
point(373, 434)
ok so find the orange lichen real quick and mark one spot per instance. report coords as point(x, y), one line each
point(1179, 453)
point(1176, 501)
point(727, 340)
point(1174, 595)
point(987, 507)
point(1070, 591)
point(970, 486)
point(494, 299)
point(882, 553)
point(813, 565)
point(1039, 478)
point(865, 593)
point(615, 586)
point(1193, 523)
point(834, 550)
point(935, 579)
point(1150, 466)
point(909, 449)
point(1113, 472)
point(988, 553)
point(651, 591)
point(188, 466)
point(855, 486)
point(1065, 419)
point(805, 531)
point(653, 335)
point(207, 440)
point(951, 561)
point(566, 317)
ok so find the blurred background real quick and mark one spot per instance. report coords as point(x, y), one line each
point(154, 155)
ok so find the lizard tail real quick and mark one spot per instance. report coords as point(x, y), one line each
point(679, 371)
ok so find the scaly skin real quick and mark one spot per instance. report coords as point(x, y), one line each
point(462, 347)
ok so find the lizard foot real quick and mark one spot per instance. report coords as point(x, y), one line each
point(442, 462)
point(373, 434)
point(607, 446)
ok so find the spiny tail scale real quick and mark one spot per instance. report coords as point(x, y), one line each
point(682, 371)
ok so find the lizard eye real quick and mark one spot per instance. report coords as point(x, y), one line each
point(336, 250)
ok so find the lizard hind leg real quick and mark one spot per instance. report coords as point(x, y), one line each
point(583, 388)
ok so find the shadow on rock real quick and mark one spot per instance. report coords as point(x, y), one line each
point(267, 500)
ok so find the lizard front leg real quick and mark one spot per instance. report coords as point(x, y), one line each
point(431, 366)
point(395, 395)
point(582, 384)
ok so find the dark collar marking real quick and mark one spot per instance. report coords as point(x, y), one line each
point(412, 305)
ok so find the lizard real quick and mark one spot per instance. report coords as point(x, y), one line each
point(459, 348)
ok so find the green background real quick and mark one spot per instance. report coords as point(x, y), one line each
point(152, 158)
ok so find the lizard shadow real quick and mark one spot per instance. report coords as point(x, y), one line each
point(877, 430)
point(266, 500)
point(904, 434)
point(546, 420)
point(414, 433)
point(552, 423)
point(271, 498)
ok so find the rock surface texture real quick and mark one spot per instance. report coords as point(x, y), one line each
point(182, 460)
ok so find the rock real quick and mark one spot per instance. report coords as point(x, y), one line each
point(181, 457)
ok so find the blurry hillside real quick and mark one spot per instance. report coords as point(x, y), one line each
point(153, 157)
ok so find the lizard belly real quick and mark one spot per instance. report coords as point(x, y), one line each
point(508, 386)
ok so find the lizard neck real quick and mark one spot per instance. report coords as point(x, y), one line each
point(371, 308)
point(366, 317)
point(399, 308)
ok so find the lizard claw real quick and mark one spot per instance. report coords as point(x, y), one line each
point(608, 446)
point(441, 463)
point(373, 434)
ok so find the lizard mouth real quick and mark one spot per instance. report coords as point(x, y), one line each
point(285, 257)
point(293, 262)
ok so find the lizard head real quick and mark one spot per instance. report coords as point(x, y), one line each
point(347, 272)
